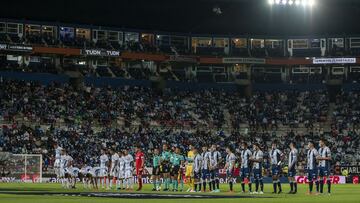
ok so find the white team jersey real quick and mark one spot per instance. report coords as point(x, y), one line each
point(258, 155)
point(75, 171)
point(128, 159)
point(95, 172)
point(275, 155)
point(65, 160)
point(122, 163)
point(324, 153)
point(197, 163)
point(293, 158)
point(58, 152)
point(311, 159)
point(230, 159)
point(206, 156)
point(103, 160)
point(215, 159)
point(114, 159)
point(245, 156)
point(85, 170)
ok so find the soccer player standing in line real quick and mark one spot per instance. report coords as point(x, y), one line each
point(324, 165)
point(176, 161)
point(311, 165)
point(139, 165)
point(58, 150)
point(104, 160)
point(230, 167)
point(215, 160)
point(114, 167)
point(275, 159)
point(245, 166)
point(165, 166)
point(129, 163)
point(257, 158)
point(189, 168)
point(156, 170)
point(197, 170)
point(205, 173)
point(292, 168)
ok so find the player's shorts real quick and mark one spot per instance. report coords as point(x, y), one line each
point(230, 174)
point(197, 175)
point(324, 171)
point(257, 174)
point(189, 169)
point(103, 172)
point(139, 172)
point(156, 171)
point(165, 168)
point(292, 172)
point(245, 173)
point(214, 174)
point(205, 174)
point(312, 174)
point(128, 174)
point(275, 170)
point(174, 170)
point(121, 174)
point(57, 163)
point(61, 172)
point(114, 171)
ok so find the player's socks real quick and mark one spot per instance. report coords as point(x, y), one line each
point(213, 184)
point(317, 185)
point(173, 183)
point(321, 185)
point(311, 184)
point(176, 185)
point(250, 187)
point(279, 185)
point(261, 185)
point(204, 185)
point(195, 187)
point(181, 184)
point(243, 187)
point(291, 186)
point(217, 184)
point(210, 186)
point(274, 186)
point(154, 183)
point(168, 180)
point(231, 185)
point(256, 185)
point(200, 183)
point(295, 186)
point(329, 185)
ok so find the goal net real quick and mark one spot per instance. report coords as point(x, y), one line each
point(24, 167)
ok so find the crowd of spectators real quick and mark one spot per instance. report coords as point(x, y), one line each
point(84, 121)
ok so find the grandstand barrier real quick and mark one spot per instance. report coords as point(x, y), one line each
point(43, 78)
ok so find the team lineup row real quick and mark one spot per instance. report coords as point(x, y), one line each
point(199, 169)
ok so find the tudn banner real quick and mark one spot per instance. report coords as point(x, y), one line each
point(334, 179)
point(334, 61)
point(98, 52)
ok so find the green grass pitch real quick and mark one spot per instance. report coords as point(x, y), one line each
point(340, 194)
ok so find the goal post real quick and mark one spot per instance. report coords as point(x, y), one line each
point(26, 167)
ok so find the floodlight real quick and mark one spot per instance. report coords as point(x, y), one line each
point(271, 2)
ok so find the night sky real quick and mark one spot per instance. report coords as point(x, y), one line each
point(243, 17)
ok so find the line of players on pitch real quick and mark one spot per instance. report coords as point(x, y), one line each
point(198, 169)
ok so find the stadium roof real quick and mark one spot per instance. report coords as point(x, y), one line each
point(195, 16)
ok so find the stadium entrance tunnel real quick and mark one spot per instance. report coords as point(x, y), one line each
point(131, 195)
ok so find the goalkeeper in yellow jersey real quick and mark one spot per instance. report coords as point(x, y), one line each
point(189, 169)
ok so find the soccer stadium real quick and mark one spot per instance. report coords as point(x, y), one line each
point(180, 101)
